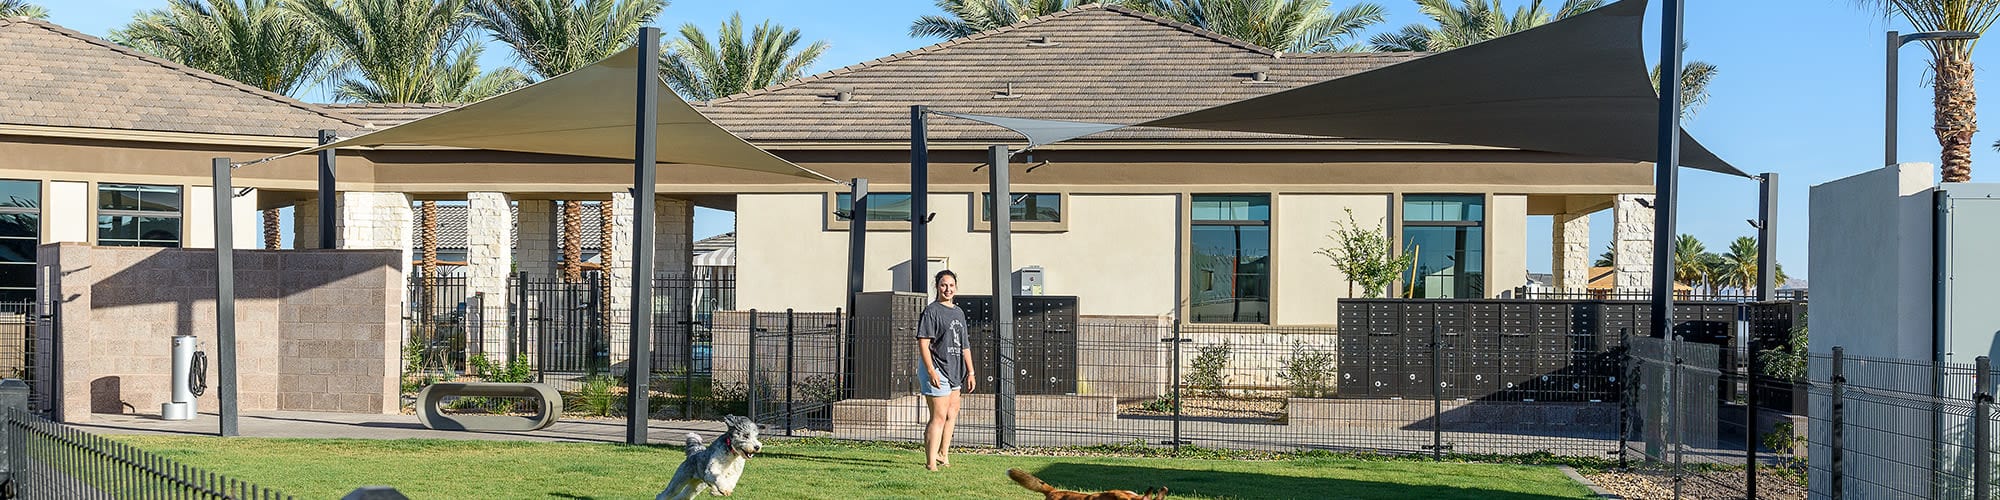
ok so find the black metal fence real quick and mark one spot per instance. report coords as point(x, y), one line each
point(47, 459)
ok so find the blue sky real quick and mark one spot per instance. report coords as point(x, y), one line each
point(1799, 93)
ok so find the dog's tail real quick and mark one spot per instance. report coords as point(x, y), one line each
point(1028, 481)
point(693, 443)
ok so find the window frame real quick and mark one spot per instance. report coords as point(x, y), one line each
point(33, 239)
point(1271, 254)
point(983, 224)
point(1402, 241)
point(178, 215)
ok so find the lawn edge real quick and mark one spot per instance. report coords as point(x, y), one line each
point(1595, 490)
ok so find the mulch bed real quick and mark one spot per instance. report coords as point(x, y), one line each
point(1214, 407)
point(1649, 484)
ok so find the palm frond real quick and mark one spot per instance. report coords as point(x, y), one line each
point(21, 8)
point(250, 41)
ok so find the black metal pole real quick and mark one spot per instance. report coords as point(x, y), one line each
point(1437, 396)
point(1750, 403)
point(645, 150)
point(1676, 416)
point(1003, 298)
point(857, 237)
point(1982, 428)
point(920, 190)
point(1767, 238)
point(1175, 342)
point(1837, 461)
point(1625, 392)
point(791, 332)
point(1889, 101)
point(327, 191)
point(225, 296)
point(1666, 174)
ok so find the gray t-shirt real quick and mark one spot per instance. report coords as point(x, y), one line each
point(945, 326)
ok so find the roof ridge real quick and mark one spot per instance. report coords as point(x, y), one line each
point(190, 71)
point(905, 54)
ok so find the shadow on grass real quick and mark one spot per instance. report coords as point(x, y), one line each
point(834, 460)
point(1182, 483)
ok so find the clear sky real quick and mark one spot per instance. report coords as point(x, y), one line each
point(1799, 93)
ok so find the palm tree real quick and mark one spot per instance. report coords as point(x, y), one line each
point(733, 64)
point(1609, 257)
point(1951, 66)
point(1739, 264)
point(553, 37)
point(405, 50)
point(1286, 25)
point(1473, 21)
point(21, 8)
point(965, 17)
point(251, 41)
point(1690, 268)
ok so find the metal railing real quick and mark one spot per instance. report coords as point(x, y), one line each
point(49, 460)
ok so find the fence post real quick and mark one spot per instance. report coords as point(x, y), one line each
point(750, 374)
point(13, 404)
point(1175, 344)
point(791, 332)
point(687, 371)
point(1982, 429)
point(1837, 467)
point(1437, 396)
point(1676, 428)
point(595, 317)
point(1625, 392)
point(1750, 416)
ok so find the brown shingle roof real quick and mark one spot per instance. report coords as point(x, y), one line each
point(386, 115)
point(59, 77)
point(1101, 64)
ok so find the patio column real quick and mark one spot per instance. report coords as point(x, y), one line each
point(489, 257)
point(1571, 250)
point(538, 249)
point(673, 257)
point(1632, 238)
point(617, 260)
point(375, 220)
point(305, 223)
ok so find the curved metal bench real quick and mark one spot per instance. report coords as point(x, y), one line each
point(548, 408)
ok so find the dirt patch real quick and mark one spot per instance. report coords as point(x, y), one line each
point(1211, 407)
point(1723, 484)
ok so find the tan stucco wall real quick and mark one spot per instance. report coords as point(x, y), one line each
point(1117, 253)
point(316, 329)
point(1305, 283)
point(198, 219)
point(66, 213)
point(1507, 232)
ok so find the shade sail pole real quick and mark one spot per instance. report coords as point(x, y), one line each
point(225, 297)
point(1666, 183)
point(645, 152)
point(326, 191)
point(920, 191)
point(1003, 297)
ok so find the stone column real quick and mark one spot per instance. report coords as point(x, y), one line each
point(1571, 251)
point(673, 257)
point(305, 224)
point(1632, 238)
point(619, 269)
point(539, 251)
point(489, 257)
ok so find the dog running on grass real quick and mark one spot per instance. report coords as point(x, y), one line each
point(1051, 493)
point(717, 467)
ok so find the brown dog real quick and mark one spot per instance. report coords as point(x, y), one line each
point(1051, 493)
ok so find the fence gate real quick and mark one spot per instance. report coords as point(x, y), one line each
point(564, 325)
point(794, 364)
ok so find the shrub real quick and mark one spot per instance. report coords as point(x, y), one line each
point(596, 397)
point(1165, 403)
point(1205, 374)
point(1782, 438)
point(1309, 370)
point(1787, 362)
point(516, 371)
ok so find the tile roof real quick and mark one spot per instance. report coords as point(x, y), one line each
point(451, 226)
point(1097, 63)
point(384, 115)
point(59, 77)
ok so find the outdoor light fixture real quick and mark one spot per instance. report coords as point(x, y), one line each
point(1896, 41)
point(1644, 202)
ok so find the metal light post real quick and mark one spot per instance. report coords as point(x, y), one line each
point(1896, 42)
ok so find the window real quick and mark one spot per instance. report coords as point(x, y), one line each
point(1028, 207)
point(881, 206)
point(20, 231)
point(138, 216)
point(1447, 234)
point(1231, 259)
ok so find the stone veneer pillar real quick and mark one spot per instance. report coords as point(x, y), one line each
point(1571, 251)
point(489, 257)
point(539, 251)
point(1632, 238)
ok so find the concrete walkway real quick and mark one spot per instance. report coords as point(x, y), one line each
point(297, 424)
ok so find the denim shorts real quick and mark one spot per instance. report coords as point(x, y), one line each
point(924, 384)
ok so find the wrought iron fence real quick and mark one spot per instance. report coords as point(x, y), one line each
point(49, 460)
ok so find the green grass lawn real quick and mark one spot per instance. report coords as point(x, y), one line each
point(437, 469)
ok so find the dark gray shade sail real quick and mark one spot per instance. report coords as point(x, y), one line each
point(1578, 86)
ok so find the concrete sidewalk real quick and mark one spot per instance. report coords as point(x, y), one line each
point(297, 424)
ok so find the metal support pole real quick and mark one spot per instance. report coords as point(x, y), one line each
point(1837, 466)
point(645, 150)
point(1003, 299)
point(1767, 238)
point(1437, 396)
point(791, 333)
point(750, 380)
point(1174, 343)
point(1666, 175)
point(857, 237)
point(1982, 428)
point(920, 190)
point(1750, 402)
point(599, 341)
point(225, 296)
point(1676, 427)
point(1889, 102)
point(327, 191)
point(1625, 395)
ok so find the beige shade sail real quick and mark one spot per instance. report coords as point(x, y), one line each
point(586, 112)
point(1578, 85)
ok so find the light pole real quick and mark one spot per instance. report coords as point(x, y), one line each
point(1896, 42)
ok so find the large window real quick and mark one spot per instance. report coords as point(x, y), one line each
point(1028, 207)
point(1447, 234)
point(1231, 265)
point(138, 216)
point(881, 206)
point(20, 231)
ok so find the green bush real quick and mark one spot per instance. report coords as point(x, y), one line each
point(730, 398)
point(1163, 404)
point(819, 389)
point(596, 397)
point(1205, 372)
point(517, 371)
point(1309, 370)
point(1782, 438)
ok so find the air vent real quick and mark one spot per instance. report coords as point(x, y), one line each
point(1042, 41)
point(1256, 74)
point(1008, 93)
point(841, 95)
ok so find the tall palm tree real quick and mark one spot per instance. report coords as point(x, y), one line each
point(1739, 264)
point(1951, 69)
point(965, 17)
point(1472, 21)
point(405, 50)
point(21, 8)
point(732, 63)
point(1608, 258)
point(1690, 268)
point(553, 37)
point(1287, 25)
point(256, 42)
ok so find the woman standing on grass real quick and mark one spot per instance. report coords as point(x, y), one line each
point(947, 367)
